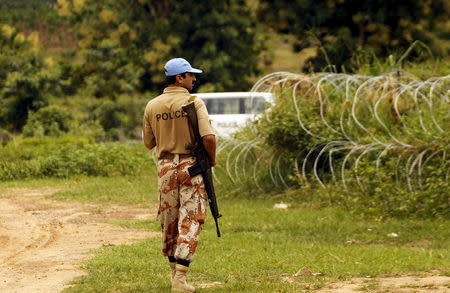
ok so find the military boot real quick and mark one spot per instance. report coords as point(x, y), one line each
point(179, 283)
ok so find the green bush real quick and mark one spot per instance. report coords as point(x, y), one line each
point(387, 191)
point(122, 117)
point(4, 136)
point(102, 119)
point(27, 79)
point(365, 139)
point(48, 121)
point(118, 118)
point(70, 156)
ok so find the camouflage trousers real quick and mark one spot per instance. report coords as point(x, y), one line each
point(182, 207)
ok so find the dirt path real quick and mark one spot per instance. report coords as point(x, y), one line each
point(42, 241)
point(403, 284)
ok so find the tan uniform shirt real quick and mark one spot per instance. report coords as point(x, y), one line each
point(166, 125)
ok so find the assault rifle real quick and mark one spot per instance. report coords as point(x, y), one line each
point(202, 166)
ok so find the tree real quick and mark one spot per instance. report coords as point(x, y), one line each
point(124, 44)
point(27, 12)
point(26, 78)
point(339, 28)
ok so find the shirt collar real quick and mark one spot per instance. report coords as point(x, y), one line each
point(175, 89)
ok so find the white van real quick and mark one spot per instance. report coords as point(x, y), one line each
point(230, 110)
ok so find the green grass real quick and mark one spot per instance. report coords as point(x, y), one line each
point(261, 248)
point(149, 224)
point(122, 190)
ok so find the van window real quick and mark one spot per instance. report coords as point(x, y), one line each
point(255, 105)
point(218, 106)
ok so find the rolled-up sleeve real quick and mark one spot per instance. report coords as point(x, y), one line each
point(148, 135)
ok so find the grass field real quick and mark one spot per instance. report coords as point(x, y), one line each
point(262, 248)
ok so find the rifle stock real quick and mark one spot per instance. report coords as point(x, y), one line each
point(202, 167)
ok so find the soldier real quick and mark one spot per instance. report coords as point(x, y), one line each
point(182, 199)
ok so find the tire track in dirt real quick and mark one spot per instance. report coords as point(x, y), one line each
point(43, 241)
point(400, 284)
point(433, 281)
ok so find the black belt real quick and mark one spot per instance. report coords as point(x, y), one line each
point(170, 156)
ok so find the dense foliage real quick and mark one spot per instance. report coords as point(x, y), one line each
point(378, 144)
point(124, 44)
point(48, 121)
point(70, 156)
point(340, 28)
point(27, 79)
point(28, 12)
